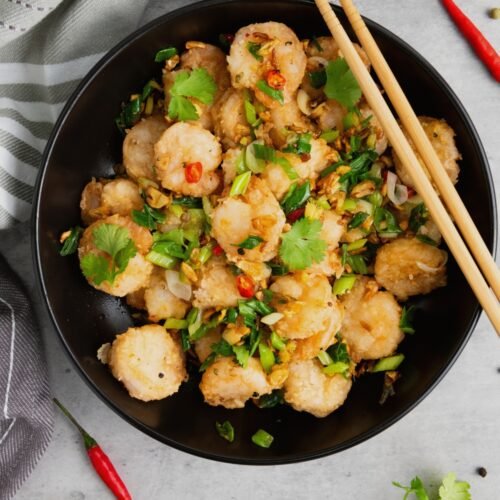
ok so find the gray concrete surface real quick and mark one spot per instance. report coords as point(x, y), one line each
point(457, 428)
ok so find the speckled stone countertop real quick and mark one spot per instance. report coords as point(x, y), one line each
point(456, 428)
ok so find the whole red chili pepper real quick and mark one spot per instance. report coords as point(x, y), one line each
point(102, 464)
point(483, 48)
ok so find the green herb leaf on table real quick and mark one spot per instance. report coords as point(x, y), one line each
point(451, 489)
point(198, 84)
point(416, 487)
point(301, 246)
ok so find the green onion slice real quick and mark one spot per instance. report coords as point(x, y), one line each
point(240, 184)
point(262, 438)
point(388, 364)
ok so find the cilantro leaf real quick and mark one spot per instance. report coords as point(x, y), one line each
point(114, 241)
point(451, 489)
point(341, 84)
point(302, 246)
point(96, 268)
point(416, 487)
point(198, 84)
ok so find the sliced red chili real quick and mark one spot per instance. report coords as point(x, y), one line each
point(217, 250)
point(246, 286)
point(193, 172)
point(411, 192)
point(275, 79)
point(295, 214)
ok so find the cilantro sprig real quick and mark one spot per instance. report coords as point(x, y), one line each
point(450, 489)
point(198, 84)
point(301, 246)
point(119, 248)
point(341, 84)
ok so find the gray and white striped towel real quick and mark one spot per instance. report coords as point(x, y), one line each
point(46, 47)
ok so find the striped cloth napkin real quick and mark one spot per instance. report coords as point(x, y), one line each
point(46, 47)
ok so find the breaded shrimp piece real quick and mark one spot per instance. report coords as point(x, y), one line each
point(371, 321)
point(138, 147)
point(442, 138)
point(160, 302)
point(136, 274)
point(308, 306)
point(228, 114)
point(148, 362)
point(229, 166)
point(255, 213)
point(308, 389)
point(288, 118)
point(329, 115)
point(381, 141)
point(103, 198)
point(309, 168)
point(280, 50)
point(408, 267)
point(216, 286)
point(228, 384)
point(183, 144)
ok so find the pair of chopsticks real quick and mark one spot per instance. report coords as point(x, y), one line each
point(488, 298)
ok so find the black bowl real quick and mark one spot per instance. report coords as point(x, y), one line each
point(86, 143)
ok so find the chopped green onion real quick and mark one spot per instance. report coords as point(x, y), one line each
point(207, 206)
point(186, 345)
point(176, 210)
point(193, 315)
point(255, 164)
point(225, 430)
point(376, 199)
point(278, 269)
point(254, 49)
point(418, 217)
point(162, 260)
point(343, 284)
point(336, 367)
point(188, 201)
point(405, 323)
point(250, 113)
point(240, 184)
point(388, 364)
point(329, 135)
point(241, 168)
point(425, 239)
point(356, 245)
point(357, 263)
point(277, 342)
point(277, 95)
point(205, 254)
point(357, 220)
point(272, 318)
point(231, 315)
point(70, 244)
point(290, 172)
point(296, 197)
point(271, 400)
point(325, 358)
point(316, 44)
point(250, 243)
point(267, 359)
point(301, 146)
point(331, 168)
point(385, 221)
point(349, 205)
point(175, 324)
point(351, 119)
point(164, 54)
point(262, 438)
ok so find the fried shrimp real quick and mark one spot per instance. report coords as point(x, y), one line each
point(408, 267)
point(179, 148)
point(103, 198)
point(136, 275)
point(230, 123)
point(307, 305)
point(371, 321)
point(307, 168)
point(148, 362)
point(255, 213)
point(308, 389)
point(288, 118)
point(217, 286)
point(138, 147)
point(277, 49)
point(228, 384)
point(442, 138)
point(160, 302)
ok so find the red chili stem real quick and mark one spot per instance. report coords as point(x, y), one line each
point(100, 461)
point(479, 43)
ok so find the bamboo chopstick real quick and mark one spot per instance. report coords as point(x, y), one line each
point(412, 125)
point(424, 187)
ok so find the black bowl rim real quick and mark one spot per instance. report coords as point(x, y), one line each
point(424, 65)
